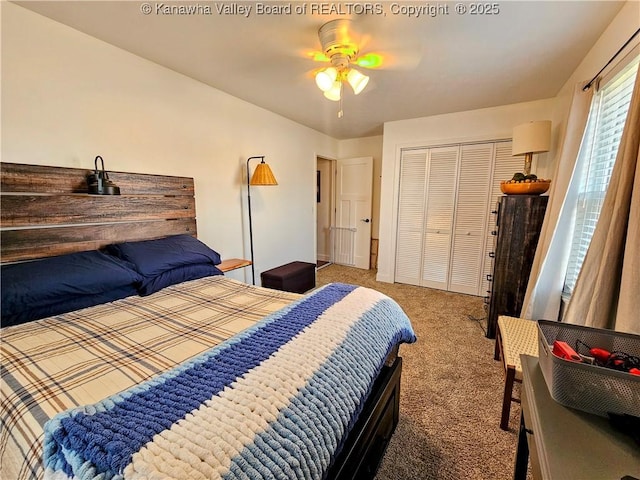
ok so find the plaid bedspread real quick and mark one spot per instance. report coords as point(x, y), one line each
point(273, 402)
point(82, 357)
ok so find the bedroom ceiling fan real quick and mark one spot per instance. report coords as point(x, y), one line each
point(340, 48)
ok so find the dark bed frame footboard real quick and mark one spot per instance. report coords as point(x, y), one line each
point(368, 440)
point(47, 211)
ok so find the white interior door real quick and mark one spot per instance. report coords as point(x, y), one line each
point(471, 218)
point(352, 232)
point(411, 210)
point(440, 207)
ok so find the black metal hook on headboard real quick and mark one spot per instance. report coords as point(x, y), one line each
point(99, 183)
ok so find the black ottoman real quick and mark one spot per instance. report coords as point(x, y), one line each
point(296, 277)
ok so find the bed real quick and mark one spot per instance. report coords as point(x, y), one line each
point(164, 367)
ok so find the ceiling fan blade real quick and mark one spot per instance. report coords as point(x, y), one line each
point(389, 60)
point(385, 45)
point(370, 60)
point(317, 56)
point(401, 59)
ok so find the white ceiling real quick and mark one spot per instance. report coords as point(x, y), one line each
point(440, 64)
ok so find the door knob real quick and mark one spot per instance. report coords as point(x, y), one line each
point(366, 220)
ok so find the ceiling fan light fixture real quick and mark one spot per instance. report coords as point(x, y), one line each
point(335, 91)
point(357, 80)
point(326, 78)
point(340, 47)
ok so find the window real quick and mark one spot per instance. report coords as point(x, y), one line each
point(595, 163)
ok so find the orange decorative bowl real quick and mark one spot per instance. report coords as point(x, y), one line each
point(525, 188)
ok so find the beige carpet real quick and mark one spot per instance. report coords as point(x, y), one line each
point(451, 390)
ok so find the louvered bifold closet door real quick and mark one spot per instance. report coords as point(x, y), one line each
point(504, 166)
point(413, 165)
point(442, 168)
point(469, 233)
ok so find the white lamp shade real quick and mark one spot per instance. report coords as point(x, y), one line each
point(326, 78)
point(531, 137)
point(357, 80)
point(334, 92)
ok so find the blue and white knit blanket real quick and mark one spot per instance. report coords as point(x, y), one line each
point(275, 401)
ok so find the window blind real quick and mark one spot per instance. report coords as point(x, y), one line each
point(595, 163)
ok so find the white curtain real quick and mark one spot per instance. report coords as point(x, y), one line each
point(543, 296)
point(607, 291)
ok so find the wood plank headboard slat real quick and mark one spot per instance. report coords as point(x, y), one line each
point(17, 177)
point(26, 210)
point(43, 242)
point(46, 211)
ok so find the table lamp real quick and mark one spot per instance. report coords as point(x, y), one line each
point(530, 138)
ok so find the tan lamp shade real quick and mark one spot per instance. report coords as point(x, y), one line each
point(263, 175)
point(532, 137)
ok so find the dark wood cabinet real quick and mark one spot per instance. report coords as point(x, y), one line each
point(519, 221)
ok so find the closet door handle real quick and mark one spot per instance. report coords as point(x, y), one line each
point(490, 278)
point(492, 254)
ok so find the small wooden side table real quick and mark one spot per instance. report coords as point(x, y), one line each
point(233, 264)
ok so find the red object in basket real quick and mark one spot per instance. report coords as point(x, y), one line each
point(563, 350)
point(600, 354)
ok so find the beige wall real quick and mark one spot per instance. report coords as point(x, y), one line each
point(67, 97)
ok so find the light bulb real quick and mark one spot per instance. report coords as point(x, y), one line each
point(326, 78)
point(357, 80)
point(334, 92)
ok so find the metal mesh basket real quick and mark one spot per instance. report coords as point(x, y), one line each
point(590, 388)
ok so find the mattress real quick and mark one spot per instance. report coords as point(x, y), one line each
point(81, 357)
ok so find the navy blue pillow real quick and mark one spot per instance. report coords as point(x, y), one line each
point(177, 275)
point(41, 283)
point(75, 303)
point(153, 257)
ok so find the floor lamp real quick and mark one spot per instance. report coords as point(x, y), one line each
point(262, 175)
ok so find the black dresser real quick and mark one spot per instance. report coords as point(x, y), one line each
point(519, 221)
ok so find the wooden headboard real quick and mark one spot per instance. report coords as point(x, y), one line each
point(46, 211)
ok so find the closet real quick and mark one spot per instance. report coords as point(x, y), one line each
point(445, 227)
